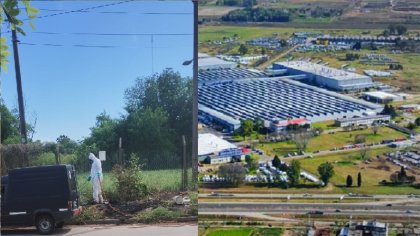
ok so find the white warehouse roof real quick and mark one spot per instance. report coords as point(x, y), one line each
point(209, 143)
point(206, 62)
point(381, 95)
point(321, 70)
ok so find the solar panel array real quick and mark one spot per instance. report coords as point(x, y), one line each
point(228, 74)
point(272, 98)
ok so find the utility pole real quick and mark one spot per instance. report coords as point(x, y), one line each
point(22, 121)
point(194, 141)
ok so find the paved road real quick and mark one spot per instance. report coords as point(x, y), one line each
point(302, 208)
point(111, 230)
point(302, 196)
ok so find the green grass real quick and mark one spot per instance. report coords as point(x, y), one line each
point(248, 32)
point(350, 164)
point(328, 141)
point(157, 215)
point(230, 232)
point(242, 231)
point(324, 125)
point(347, 163)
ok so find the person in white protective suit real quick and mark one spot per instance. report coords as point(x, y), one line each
point(96, 178)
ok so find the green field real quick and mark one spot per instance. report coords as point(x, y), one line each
point(324, 125)
point(240, 231)
point(350, 164)
point(328, 141)
point(249, 32)
point(347, 163)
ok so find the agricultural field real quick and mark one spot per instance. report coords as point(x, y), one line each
point(206, 33)
point(239, 231)
point(327, 141)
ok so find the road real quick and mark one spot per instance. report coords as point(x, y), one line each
point(110, 230)
point(302, 208)
point(303, 196)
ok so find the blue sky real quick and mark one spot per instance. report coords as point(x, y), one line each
point(66, 87)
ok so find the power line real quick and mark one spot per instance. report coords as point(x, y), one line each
point(91, 46)
point(113, 34)
point(82, 9)
point(122, 12)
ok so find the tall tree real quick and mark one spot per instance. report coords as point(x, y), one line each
point(233, 173)
point(9, 125)
point(247, 126)
point(276, 161)
point(359, 179)
point(301, 140)
point(243, 49)
point(326, 171)
point(294, 172)
point(349, 181)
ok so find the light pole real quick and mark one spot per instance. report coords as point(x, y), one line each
point(194, 150)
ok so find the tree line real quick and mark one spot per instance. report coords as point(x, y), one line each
point(158, 112)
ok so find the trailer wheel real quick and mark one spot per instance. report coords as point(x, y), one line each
point(45, 224)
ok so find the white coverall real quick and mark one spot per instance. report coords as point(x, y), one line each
point(96, 177)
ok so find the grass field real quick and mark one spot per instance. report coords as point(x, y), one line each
point(347, 163)
point(248, 32)
point(350, 164)
point(325, 125)
point(328, 141)
point(239, 231)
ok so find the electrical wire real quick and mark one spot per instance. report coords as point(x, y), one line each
point(113, 34)
point(93, 46)
point(121, 12)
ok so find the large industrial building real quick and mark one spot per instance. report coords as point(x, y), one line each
point(273, 99)
point(228, 95)
point(215, 150)
point(324, 76)
point(207, 62)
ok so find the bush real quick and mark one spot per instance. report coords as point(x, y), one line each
point(157, 215)
point(88, 213)
point(130, 184)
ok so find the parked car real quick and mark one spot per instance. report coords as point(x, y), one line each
point(44, 196)
point(315, 213)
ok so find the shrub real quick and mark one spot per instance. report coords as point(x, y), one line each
point(157, 215)
point(88, 213)
point(130, 184)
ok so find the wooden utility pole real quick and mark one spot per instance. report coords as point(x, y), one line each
point(23, 132)
point(22, 121)
point(194, 141)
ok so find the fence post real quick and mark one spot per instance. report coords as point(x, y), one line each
point(57, 154)
point(184, 165)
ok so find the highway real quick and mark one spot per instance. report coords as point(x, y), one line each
point(303, 196)
point(303, 208)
